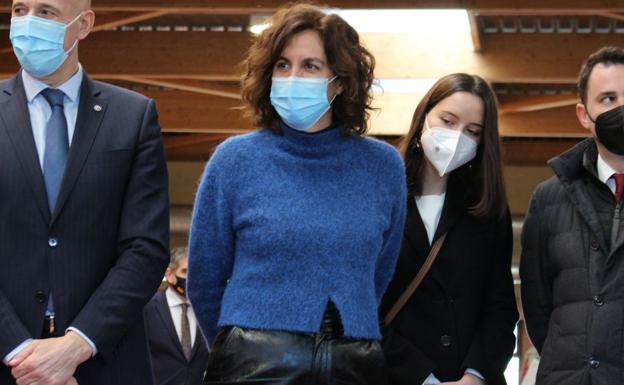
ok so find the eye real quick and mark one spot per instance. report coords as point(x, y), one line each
point(311, 67)
point(19, 11)
point(46, 13)
point(607, 99)
point(473, 132)
point(281, 65)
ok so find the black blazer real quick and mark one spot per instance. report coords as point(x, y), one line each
point(104, 249)
point(464, 312)
point(170, 365)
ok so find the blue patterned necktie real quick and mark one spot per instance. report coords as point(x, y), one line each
point(56, 145)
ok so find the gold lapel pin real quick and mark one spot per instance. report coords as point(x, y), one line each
point(97, 108)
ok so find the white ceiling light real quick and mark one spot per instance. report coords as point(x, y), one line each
point(425, 21)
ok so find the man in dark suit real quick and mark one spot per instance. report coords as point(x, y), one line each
point(179, 353)
point(84, 208)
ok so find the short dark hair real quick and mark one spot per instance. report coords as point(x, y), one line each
point(349, 60)
point(177, 255)
point(605, 55)
point(481, 180)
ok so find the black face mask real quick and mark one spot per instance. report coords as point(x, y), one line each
point(610, 130)
point(180, 286)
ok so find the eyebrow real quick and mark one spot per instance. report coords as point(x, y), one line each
point(457, 117)
point(52, 8)
point(606, 93)
point(43, 6)
point(306, 59)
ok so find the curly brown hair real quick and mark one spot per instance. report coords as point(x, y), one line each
point(346, 56)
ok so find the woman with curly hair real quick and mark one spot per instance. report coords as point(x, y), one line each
point(297, 226)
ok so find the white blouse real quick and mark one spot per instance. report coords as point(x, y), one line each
point(430, 209)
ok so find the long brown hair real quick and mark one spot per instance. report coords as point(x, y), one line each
point(346, 56)
point(481, 180)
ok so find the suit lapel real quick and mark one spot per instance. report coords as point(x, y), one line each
point(417, 234)
point(165, 315)
point(414, 228)
point(451, 211)
point(91, 112)
point(198, 341)
point(15, 117)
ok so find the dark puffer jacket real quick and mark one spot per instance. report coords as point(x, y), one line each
point(572, 270)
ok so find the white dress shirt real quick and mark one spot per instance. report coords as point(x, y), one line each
point(175, 301)
point(605, 173)
point(430, 209)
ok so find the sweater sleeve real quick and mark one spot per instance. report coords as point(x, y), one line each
point(211, 244)
point(386, 262)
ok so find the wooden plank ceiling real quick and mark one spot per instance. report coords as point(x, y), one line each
point(186, 55)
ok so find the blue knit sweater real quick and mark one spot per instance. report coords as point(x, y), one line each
point(283, 223)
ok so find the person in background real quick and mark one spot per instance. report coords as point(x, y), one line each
point(297, 226)
point(572, 263)
point(178, 350)
point(84, 202)
point(458, 326)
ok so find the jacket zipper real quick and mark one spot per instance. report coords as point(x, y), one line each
point(615, 227)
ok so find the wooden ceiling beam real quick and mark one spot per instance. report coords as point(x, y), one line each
point(112, 20)
point(181, 111)
point(558, 122)
point(205, 55)
point(197, 147)
point(534, 152)
point(180, 85)
point(250, 6)
point(612, 15)
point(537, 12)
point(536, 58)
point(535, 103)
point(475, 32)
point(358, 4)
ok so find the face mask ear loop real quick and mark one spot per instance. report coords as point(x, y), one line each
point(68, 25)
point(334, 98)
point(588, 115)
point(75, 19)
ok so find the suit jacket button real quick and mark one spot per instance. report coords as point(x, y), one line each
point(594, 363)
point(445, 341)
point(598, 301)
point(40, 296)
point(594, 245)
point(52, 242)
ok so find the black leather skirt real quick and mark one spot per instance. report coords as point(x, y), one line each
point(250, 356)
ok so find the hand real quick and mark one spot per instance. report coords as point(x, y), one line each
point(467, 379)
point(51, 361)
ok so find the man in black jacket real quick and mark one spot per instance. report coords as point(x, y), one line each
point(572, 265)
point(179, 352)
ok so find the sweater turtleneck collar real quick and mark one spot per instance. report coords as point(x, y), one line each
point(319, 142)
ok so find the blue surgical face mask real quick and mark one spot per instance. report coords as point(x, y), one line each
point(300, 102)
point(39, 44)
